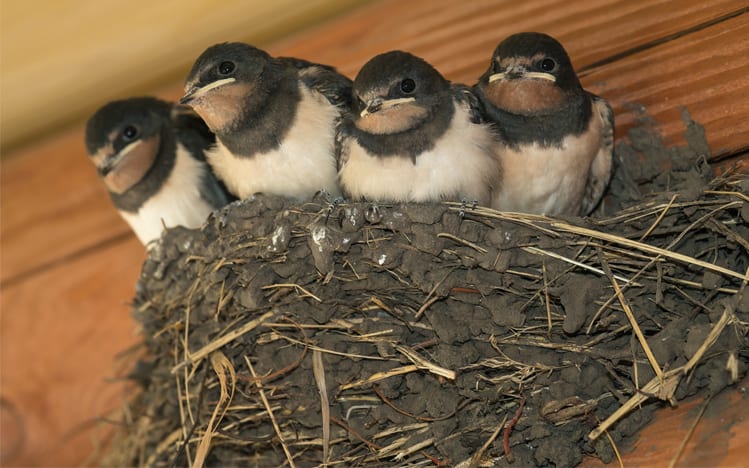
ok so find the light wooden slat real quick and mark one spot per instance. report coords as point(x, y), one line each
point(704, 72)
point(59, 333)
point(62, 58)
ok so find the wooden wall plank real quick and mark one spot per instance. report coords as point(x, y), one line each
point(459, 37)
point(704, 72)
point(59, 332)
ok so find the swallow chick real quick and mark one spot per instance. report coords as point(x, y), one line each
point(274, 118)
point(414, 136)
point(556, 139)
point(150, 155)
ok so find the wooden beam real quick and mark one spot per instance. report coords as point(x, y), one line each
point(51, 189)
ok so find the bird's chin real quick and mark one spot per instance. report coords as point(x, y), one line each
point(524, 95)
point(219, 108)
point(132, 165)
point(392, 120)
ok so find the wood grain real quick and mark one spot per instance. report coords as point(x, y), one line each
point(704, 72)
point(459, 37)
point(667, 54)
point(59, 333)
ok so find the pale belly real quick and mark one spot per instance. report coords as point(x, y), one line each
point(177, 203)
point(460, 167)
point(545, 180)
point(301, 166)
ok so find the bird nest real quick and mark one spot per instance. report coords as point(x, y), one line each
point(362, 334)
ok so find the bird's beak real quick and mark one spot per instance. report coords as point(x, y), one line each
point(495, 77)
point(195, 91)
point(541, 76)
point(516, 72)
point(378, 104)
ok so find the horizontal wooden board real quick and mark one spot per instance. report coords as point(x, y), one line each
point(689, 37)
point(720, 437)
point(59, 333)
point(704, 72)
point(459, 37)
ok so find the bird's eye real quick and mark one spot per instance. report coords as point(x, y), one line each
point(129, 133)
point(408, 85)
point(226, 67)
point(548, 65)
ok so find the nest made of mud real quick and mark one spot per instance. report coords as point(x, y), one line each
point(374, 335)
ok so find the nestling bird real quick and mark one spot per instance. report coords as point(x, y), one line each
point(414, 136)
point(556, 139)
point(274, 119)
point(150, 155)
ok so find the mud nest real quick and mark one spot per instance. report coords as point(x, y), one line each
point(376, 335)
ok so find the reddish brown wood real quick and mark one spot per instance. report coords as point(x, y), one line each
point(52, 205)
point(459, 37)
point(720, 437)
point(59, 333)
point(703, 72)
point(51, 187)
point(687, 60)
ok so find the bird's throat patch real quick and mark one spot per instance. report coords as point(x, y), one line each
point(524, 96)
point(133, 166)
point(392, 120)
point(220, 108)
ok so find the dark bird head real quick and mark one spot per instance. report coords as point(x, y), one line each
point(225, 80)
point(529, 72)
point(397, 91)
point(123, 139)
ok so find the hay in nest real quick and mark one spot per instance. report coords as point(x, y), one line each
point(374, 335)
